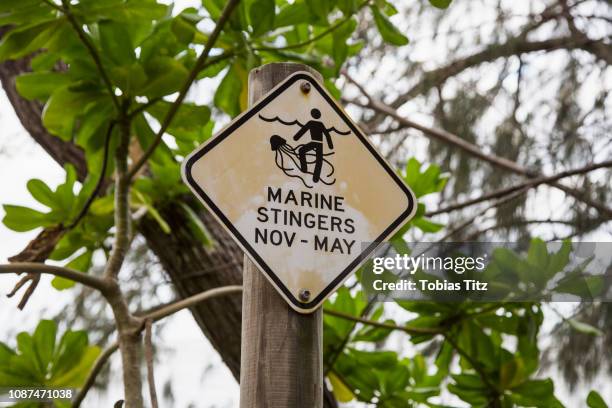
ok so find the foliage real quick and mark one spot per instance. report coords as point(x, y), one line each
point(42, 360)
point(145, 53)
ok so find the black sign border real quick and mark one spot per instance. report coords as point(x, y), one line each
point(236, 234)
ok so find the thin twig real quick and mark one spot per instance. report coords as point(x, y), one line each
point(40, 268)
point(472, 149)
point(382, 325)
point(227, 11)
point(148, 348)
point(93, 374)
point(53, 5)
point(475, 365)
point(169, 309)
point(210, 61)
point(471, 220)
point(531, 183)
point(100, 181)
point(155, 314)
point(92, 51)
point(317, 37)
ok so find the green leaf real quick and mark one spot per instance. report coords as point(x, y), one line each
point(534, 392)
point(81, 263)
point(426, 182)
point(30, 362)
point(559, 260)
point(537, 255)
point(122, 11)
point(22, 219)
point(320, 9)
point(146, 202)
point(189, 117)
point(146, 136)
point(40, 85)
point(76, 376)
point(594, 400)
point(441, 4)
point(293, 14)
point(62, 109)
point(42, 193)
point(197, 226)
point(44, 342)
point(584, 328)
point(426, 225)
point(23, 12)
point(389, 32)
point(262, 16)
point(348, 7)
point(24, 40)
point(165, 76)
point(69, 351)
point(374, 359)
point(340, 390)
point(340, 37)
point(227, 96)
point(116, 43)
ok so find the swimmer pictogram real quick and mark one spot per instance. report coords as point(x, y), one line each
point(309, 161)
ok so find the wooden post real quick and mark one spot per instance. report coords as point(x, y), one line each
point(282, 350)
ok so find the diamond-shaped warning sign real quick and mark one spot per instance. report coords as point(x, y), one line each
point(301, 189)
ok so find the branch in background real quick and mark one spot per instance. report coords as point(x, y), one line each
point(516, 46)
point(382, 325)
point(317, 37)
point(171, 308)
point(100, 181)
point(29, 114)
point(227, 11)
point(148, 348)
point(122, 200)
point(92, 51)
point(210, 61)
point(40, 268)
point(454, 140)
point(531, 183)
point(93, 374)
point(471, 220)
point(475, 365)
point(515, 223)
point(154, 315)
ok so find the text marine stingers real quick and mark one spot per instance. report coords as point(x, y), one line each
point(306, 217)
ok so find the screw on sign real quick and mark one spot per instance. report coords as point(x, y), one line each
point(301, 189)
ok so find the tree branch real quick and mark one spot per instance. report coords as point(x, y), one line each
point(157, 314)
point(515, 46)
point(93, 374)
point(210, 61)
point(456, 141)
point(99, 183)
point(40, 268)
point(471, 220)
point(92, 51)
point(317, 37)
point(475, 365)
point(531, 183)
point(149, 359)
point(382, 325)
point(227, 11)
point(171, 308)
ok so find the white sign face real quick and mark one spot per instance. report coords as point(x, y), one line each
point(301, 189)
